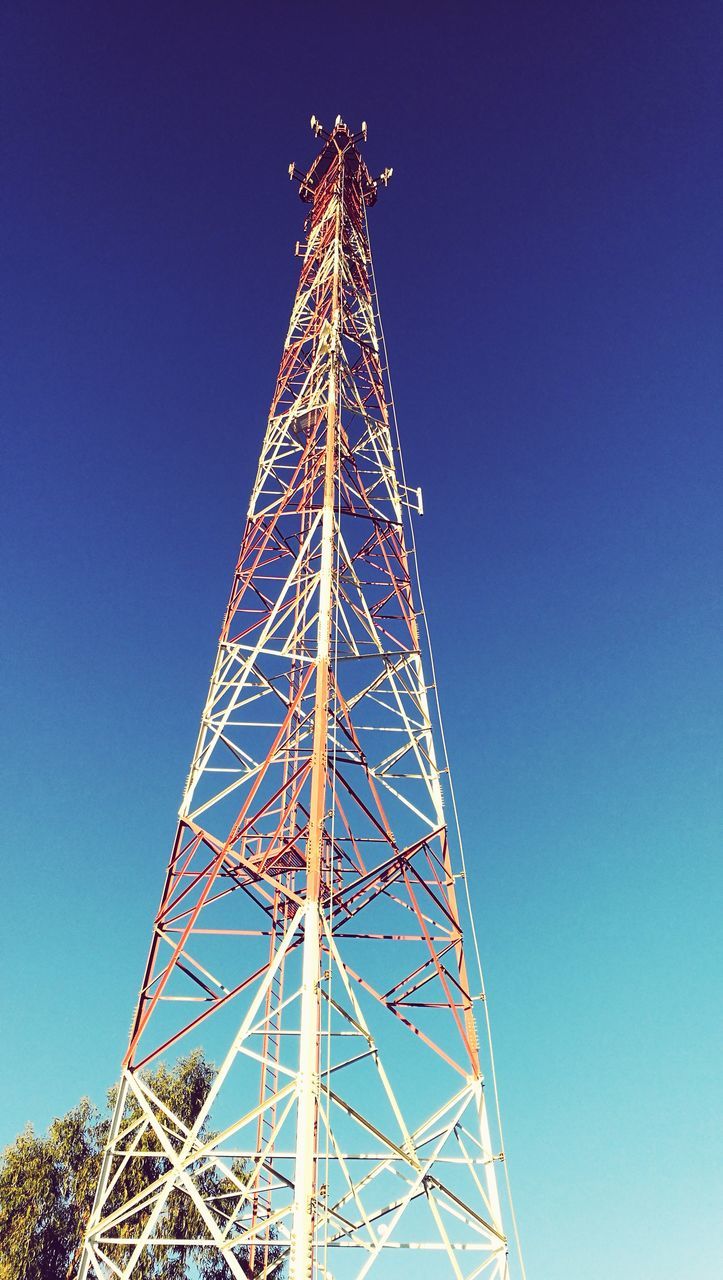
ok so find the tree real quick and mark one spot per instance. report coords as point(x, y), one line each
point(47, 1186)
point(46, 1190)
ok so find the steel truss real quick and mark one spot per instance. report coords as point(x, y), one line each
point(309, 929)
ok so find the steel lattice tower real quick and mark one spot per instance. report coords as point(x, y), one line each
point(309, 931)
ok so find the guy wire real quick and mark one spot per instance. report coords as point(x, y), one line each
point(457, 825)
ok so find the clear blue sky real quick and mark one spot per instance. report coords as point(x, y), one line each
point(548, 256)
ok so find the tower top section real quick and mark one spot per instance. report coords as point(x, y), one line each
point(339, 158)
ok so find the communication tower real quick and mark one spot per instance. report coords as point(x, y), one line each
point(310, 932)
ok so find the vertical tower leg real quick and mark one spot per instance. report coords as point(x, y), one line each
point(304, 1215)
point(302, 1238)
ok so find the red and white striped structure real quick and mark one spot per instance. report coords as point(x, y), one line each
point(309, 933)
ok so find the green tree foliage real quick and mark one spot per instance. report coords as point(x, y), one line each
point(46, 1191)
point(47, 1186)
